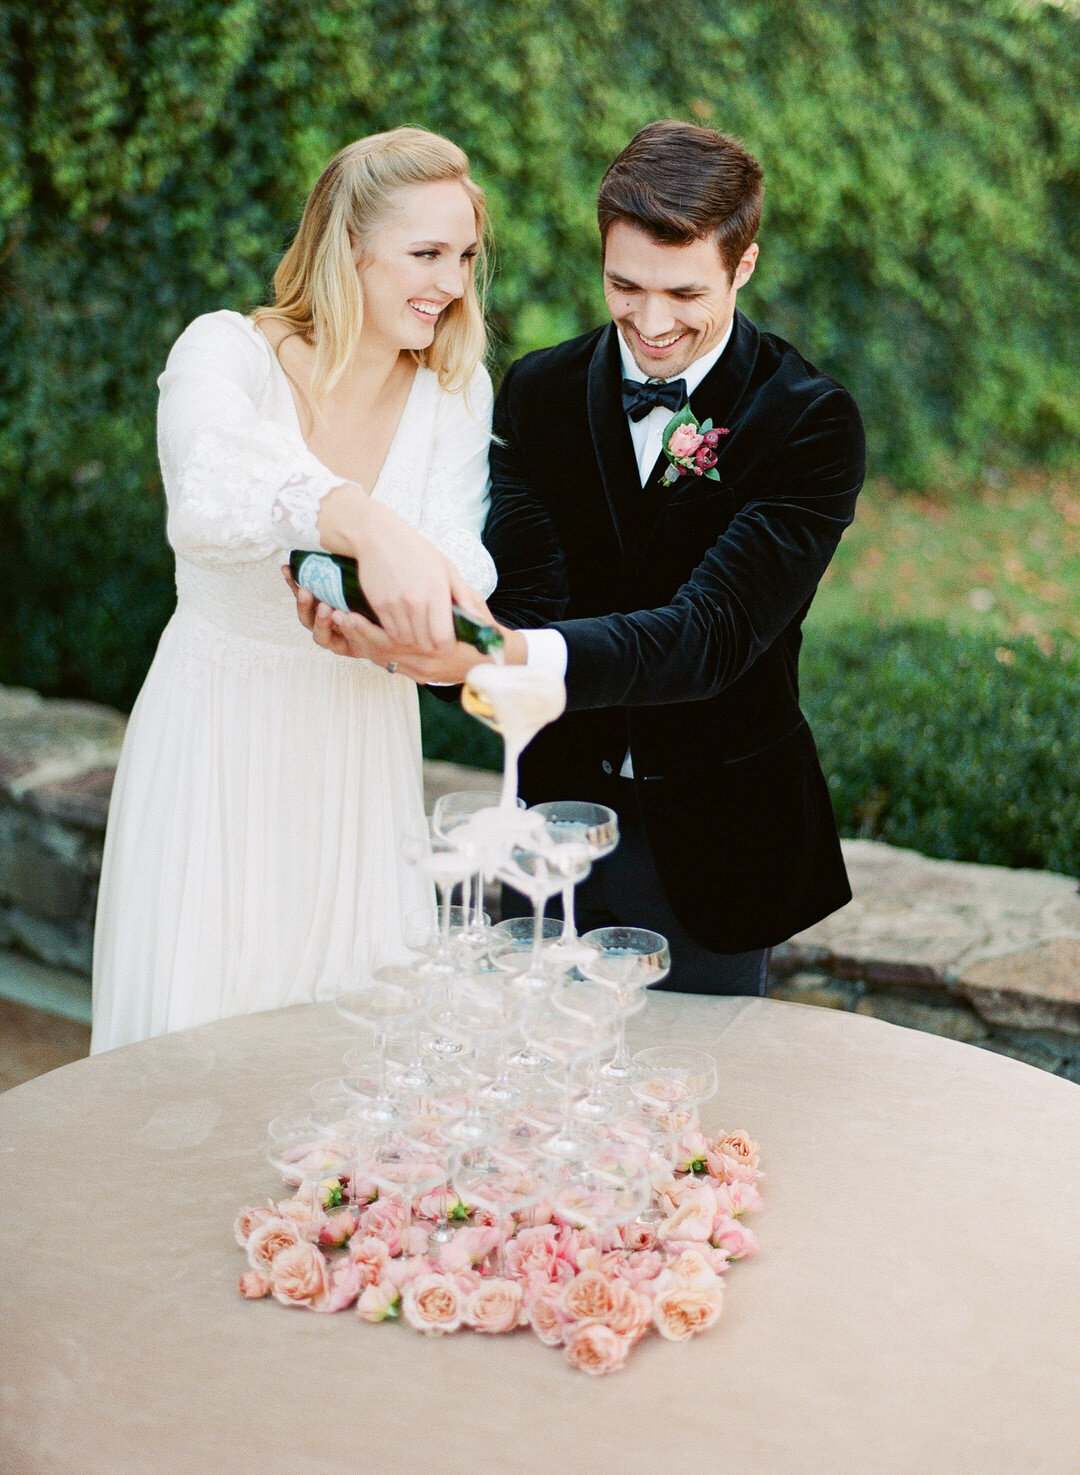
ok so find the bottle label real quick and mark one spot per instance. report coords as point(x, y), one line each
point(323, 577)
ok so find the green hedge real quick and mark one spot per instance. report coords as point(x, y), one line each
point(930, 739)
point(921, 239)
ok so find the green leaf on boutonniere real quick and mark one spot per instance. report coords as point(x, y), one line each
point(705, 425)
point(685, 416)
point(712, 475)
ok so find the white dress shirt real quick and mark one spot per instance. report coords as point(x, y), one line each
point(546, 649)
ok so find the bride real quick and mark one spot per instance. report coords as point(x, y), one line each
point(251, 858)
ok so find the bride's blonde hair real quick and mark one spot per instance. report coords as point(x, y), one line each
point(317, 291)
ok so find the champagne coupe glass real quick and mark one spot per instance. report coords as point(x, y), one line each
point(671, 1078)
point(446, 866)
point(597, 828)
point(428, 1124)
point(441, 963)
point(626, 959)
point(540, 873)
point(454, 819)
point(479, 1012)
point(513, 950)
point(575, 1024)
point(500, 1178)
point(379, 1006)
point(516, 702)
point(403, 1168)
point(602, 1194)
point(307, 1154)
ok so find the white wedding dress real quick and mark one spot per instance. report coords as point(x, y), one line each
point(252, 853)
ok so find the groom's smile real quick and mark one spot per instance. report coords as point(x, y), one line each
point(671, 303)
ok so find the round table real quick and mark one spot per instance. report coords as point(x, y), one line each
point(915, 1305)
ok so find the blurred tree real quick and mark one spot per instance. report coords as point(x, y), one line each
point(921, 238)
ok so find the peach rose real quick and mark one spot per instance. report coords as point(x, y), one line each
point(684, 441)
point(691, 1267)
point(641, 1267)
point(685, 1310)
point(308, 1219)
point(733, 1199)
point(267, 1240)
point(588, 1297)
point(377, 1302)
point(254, 1284)
point(298, 1275)
point(632, 1314)
point(734, 1159)
point(249, 1219)
point(432, 1304)
point(495, 1306)
point(595, 1349)
point(547, 1318)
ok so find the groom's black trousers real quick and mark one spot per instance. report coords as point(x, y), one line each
point(624, 889)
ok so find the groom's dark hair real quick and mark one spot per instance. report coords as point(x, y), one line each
point(680, 183)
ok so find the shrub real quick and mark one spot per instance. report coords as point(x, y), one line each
point(947, 744)
point(921, 235)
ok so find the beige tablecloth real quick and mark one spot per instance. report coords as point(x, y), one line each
point(915, 1306)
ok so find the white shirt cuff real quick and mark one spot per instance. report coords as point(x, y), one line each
point(546, 650)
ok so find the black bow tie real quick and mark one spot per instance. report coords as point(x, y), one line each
point(638, 399)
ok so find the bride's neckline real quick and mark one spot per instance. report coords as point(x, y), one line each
point(395, 439)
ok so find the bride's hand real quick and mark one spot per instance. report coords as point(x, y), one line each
point(408, 582)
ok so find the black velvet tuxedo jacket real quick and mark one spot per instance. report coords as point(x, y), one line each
point(681, 608)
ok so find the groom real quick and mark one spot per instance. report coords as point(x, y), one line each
point(674, 604)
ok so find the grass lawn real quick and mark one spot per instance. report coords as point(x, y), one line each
point(1000, 561)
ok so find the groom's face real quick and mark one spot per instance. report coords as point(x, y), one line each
point(672, 304)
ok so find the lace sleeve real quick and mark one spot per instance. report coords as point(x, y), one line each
point(240, 486)
point(456, 493)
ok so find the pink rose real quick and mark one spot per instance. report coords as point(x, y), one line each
point(532, 1253)
point(362, 1191)
point(406, 1268)
point(254, 1284)
point(249, 1219)
point(371, 1254)
point(638, 1236)
point(693, 1221)
point(547, 1317)
point(267, 1240)
point(337, 1228)
point(298, 1275)
point(377, 1302)
point(495, 1306)
point(737, 1198)
point(685, 1310)
point(432, 1304)
point(588, 1297)
point(734, 1158)
point(347, 1280)
point(415, 1240)
point(595, 1349)
point(535, 1216)
point(469, 1247)
point(431, 1205)
point(641, 1267)
point(684, 442)
point(386, 1219)
point(738, 1242)
point(690, 1153)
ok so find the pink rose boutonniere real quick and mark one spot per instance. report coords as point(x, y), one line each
point(690, 447)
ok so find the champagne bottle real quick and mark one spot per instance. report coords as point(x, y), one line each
point(334, 580)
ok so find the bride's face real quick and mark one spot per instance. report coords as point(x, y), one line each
point(417, 263)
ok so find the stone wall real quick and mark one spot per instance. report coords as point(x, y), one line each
point(982, 954)
point(57, 761)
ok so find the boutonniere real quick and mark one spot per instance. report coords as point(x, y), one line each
point(690, 447)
